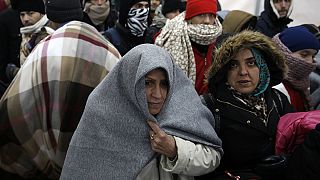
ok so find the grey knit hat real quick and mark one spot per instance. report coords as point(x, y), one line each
point(62, 11)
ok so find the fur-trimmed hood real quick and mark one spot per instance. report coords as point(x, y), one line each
point(246, 39)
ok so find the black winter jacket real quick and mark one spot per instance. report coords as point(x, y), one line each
point(268, 23)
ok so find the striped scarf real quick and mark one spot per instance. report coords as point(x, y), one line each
point(138, 21)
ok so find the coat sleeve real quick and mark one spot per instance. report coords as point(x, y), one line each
point(192, 159)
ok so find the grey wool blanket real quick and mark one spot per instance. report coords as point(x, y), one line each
point(112, 139)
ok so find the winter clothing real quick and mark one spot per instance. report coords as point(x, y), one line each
point(181, 39)
point(170, 6)
point(292, 129)
point(315, 85)
point(297, 82)
point(297, 99)
point(120, 35)
point(313, 29)
point(122, 38)
point(315, 75)
point(137, 21)
point(268, 22)
point(31, 5)
point(125, 6)
point(304, 163)
point(118, 109)
point(62, 11)
point(32, 35)
point(192, 160)
point(236, 21)
point(248, 136)
point(196, 7)
point(42, 107)
point(299, 38)
point(101, 17)
point(159, 20)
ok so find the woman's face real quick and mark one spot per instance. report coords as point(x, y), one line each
point(156, 90)
point(243, 74)
point(307, 55)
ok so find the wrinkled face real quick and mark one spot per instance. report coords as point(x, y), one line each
point(172, 14)
point(140, 5)
point(156, 90)
point(307, 55)
point(207, 18)
point(29, 18)
point(243, 73)
point(154, 4)
point(282, 7)
point(98, 2)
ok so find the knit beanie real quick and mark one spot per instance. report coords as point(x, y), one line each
point(61, 11)
point(196, 7)
point(170, 6)
point(30, 5)
point(298, 38)
point(313, 29)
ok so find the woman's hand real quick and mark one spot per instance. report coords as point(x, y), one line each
point(162, 142)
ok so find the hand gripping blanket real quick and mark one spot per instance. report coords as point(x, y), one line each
point(112, 139)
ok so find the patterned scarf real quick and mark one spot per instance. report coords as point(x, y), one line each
point(97, 14)
point(299, 70)
point(138, 21)
point(264, 75)
point(256, 104)
point(176, 37)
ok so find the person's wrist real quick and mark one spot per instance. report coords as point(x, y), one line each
point(174, 150)
point(172, 159)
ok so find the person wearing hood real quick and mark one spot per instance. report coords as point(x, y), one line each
point(42, 106)
point(246, 107)
point(190, 38)
point(133, 22)
point(236, 21)
point(300, 48)
point(275, 17)
point(144, 121)
point(99, 14)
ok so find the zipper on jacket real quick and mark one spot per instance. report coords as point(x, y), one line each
point(236, 106)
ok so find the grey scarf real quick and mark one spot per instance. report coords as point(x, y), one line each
point(112, 140)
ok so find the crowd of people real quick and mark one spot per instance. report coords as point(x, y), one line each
point(157, 89)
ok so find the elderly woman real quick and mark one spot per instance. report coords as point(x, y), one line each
point(144, 121)
point(245, 68)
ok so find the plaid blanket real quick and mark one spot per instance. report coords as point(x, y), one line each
point(43, 105)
